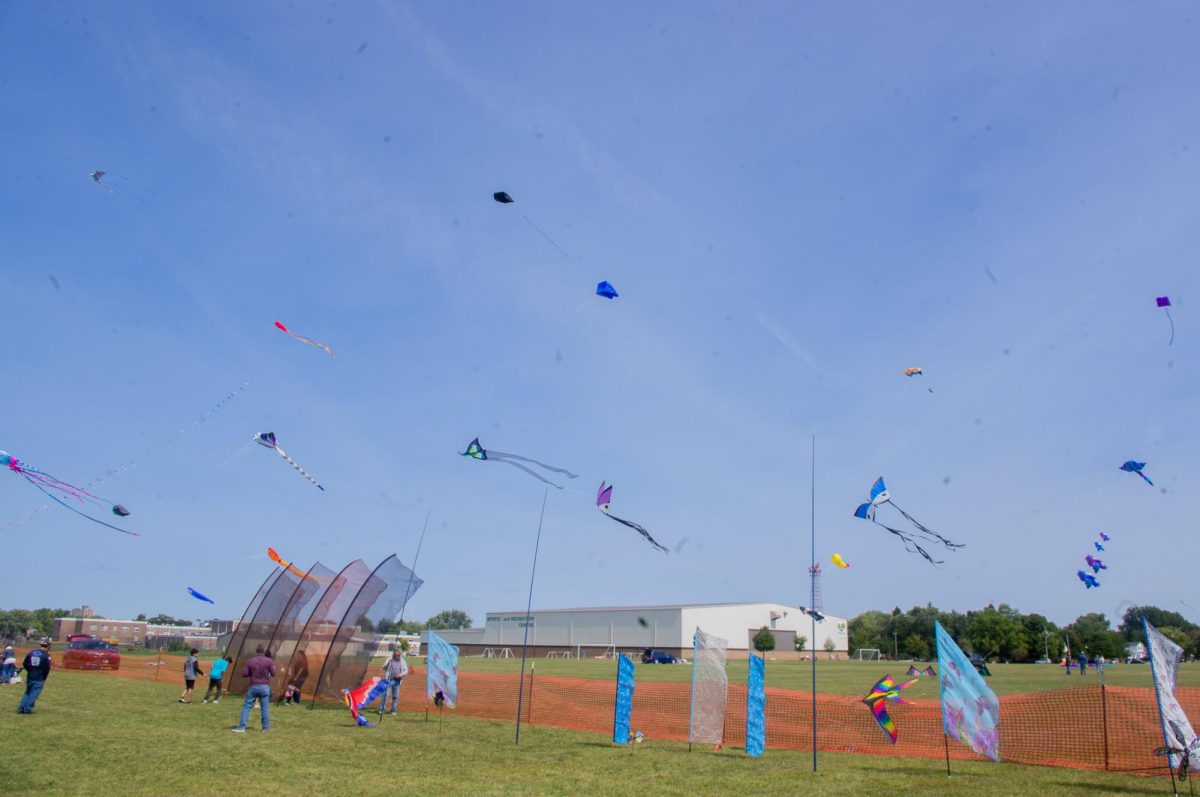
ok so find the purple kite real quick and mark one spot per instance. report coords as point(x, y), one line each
point(98, 175)
point(1095, 563)
point(1165, 304)
point(604, 498)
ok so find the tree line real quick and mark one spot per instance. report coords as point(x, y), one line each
point(1003, 633)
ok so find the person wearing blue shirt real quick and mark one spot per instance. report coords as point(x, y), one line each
point(37, 669)
point(215, 673)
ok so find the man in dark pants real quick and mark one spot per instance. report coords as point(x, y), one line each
point(1082, 663)
point(37, 669)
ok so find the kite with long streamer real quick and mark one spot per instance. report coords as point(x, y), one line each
point(1165, 303)
point(267, 440)
point(604, 498)
point(274, 556)
point(912, 539)
point(97, 177)
point(49, 485)
point(200, 596)
point(1132, 466)
point(477, 451)
point(916, 371)
point(885, 691)
point(279, 325)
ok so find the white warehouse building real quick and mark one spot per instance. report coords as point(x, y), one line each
point(589, 632)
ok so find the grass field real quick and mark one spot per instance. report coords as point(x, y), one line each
point(97, 734)
point(843, 677)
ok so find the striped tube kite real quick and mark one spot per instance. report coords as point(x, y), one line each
point(50, 485)
point(358, 699)
point(912, 539)
point(267, 440)
point(882, 692)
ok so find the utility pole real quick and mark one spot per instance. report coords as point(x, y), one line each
point(895, 647)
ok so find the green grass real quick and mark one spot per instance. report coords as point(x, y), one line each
point(94, 733)
point(842, 677)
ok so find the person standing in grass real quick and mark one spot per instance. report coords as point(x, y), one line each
point(1082, 663)
point(260, 670)
point(37, 669)
point(394, 670)
point(191, 670)
point(215, 673)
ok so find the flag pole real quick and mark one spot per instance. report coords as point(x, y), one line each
point(528, 620)
point(812, 588)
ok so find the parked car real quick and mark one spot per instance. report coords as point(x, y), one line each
point(657, 657)
point(91, 654)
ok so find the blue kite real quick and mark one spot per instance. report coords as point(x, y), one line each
point(1088, 579)
point(606, 290)
point(879, 496)
point(200, 596)
point(1131, 466)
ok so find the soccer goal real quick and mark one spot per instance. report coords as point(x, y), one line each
point(596, 651)
point(868, 654)
point(497, 653)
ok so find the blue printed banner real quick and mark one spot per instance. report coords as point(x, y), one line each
point(970, 710)
point(756, 704)
point(441, 672)
point(624, 703)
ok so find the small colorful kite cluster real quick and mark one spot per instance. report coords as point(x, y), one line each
point(1096, 565)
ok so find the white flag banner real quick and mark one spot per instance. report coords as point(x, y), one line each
point(1165, 656)
point(710, 687)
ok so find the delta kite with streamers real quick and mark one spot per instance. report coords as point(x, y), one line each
point(267, 440)
point(53, 487)
point(1132, 466)
point(885, 691)
point(477, 451)
point(200, 596)
point(912, 539)
point(604, 499)
point(279, 325)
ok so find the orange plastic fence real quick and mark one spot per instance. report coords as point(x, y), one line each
point(1085, 727)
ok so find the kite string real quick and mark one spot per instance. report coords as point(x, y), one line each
point(547, 237)
point(1172, 320)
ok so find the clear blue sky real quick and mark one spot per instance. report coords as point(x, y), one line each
point(795, 202)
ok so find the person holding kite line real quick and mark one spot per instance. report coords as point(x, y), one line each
point(215, 674)
point(191, 671)
point(394, 670)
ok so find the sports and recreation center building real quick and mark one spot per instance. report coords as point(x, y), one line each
point(604, 631)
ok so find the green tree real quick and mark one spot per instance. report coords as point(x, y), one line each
point(1131, 622)
point(916, 647)
point(166, 619)
point(995, 632)
point(141, 618)
point(801, 641)
point(1090, 633)
point(449, 619)
point(764, 640)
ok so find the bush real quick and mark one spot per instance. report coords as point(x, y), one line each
point(764, 640)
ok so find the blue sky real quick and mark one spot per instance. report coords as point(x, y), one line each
point(796, 203)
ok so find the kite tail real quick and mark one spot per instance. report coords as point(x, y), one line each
point(911, 545)
point(1147, 478)
point(641, 531)
point(301, 470)
point(57, 500)
point(1171, 342)
point(543, 465)
point(933, 534)
point(532, 473)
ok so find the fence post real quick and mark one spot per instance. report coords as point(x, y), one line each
point(1104, 717)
